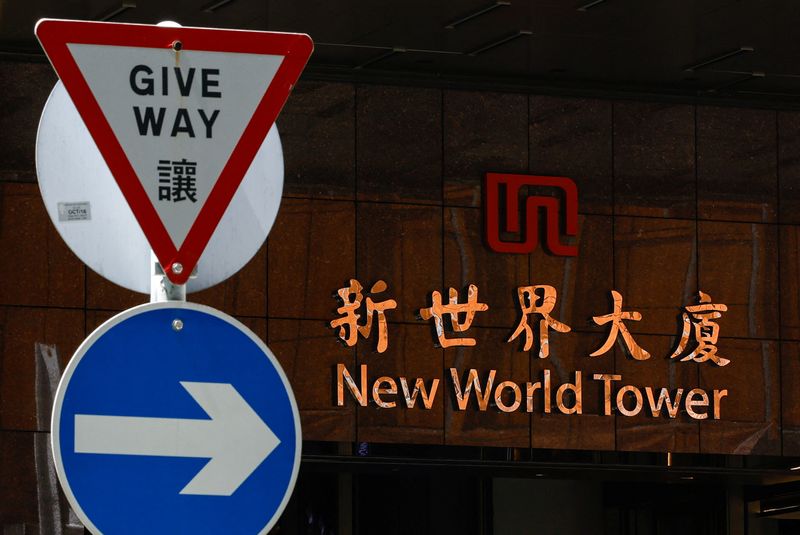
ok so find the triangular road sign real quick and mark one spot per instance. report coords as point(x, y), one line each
point(178, 114)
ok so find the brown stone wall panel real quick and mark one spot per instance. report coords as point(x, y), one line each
point(790, 397)
point(473, 427)
point(790, 282)
point(738, 267)
point(309, 352)
point(24, 373)
point(317, 128)
point(645, 432)
point(483, 132)
point(654, 159)
point(591, 430)
point(257, 325)
point(467, 260)
point(243, 294)
point(311, 253)
point(402, 245)
point(789, 166)
point(583, 282)
point(411, 354)
point(399, 144)
point(26, 90)
point(572, 432)
point(19, 504)
point(38, 268)
point(750, 416)
point(95, 318)
point(101, 293)
point(572, 137)
point(656, 271)
point(736, 164)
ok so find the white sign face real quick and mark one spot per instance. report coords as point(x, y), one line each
point(177, 116)
point(89, 211)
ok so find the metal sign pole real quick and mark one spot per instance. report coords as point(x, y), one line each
point(161, 288)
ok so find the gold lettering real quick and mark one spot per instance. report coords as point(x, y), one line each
point(529, 392)
point(718, 395)
point(691, 403)
point(698, 324)
point(621, 400)
point(481, 394)
point(546, 390)
point(664, 399)
point(577, 390)
point(607, 378)
point(378, 391)
point(343, 376)
point(616, 319)
point(498, 396)
point(419, 388)
point(461, 315)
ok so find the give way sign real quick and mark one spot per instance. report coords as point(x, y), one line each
point(178, 114)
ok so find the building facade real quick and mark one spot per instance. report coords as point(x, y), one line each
point(680, 204)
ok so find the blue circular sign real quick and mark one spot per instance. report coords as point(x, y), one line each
point(175, 418)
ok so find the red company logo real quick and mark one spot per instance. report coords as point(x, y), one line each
point(497, 203)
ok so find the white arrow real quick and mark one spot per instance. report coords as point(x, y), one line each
point(236, 439)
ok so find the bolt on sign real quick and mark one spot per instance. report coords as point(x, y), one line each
point(536, 303)
point(178, 114)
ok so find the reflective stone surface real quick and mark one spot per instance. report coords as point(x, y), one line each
point(311, 252)
point(28, 86)
point(737, 176)
point(654, 172)
point(737, 265)
point(383, 183)
point(655, 264)
point(751, 422)
point(790, 397)
point(317, 128)
point(35, 344)
point(789, 166)
point(399, 144)
point(790, 282)
point(572, 137)
point(468, 261)
point(37, 268)
point(402, 245)
point(482, 132)
point(295, 343)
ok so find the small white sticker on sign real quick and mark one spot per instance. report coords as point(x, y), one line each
point(74, 211)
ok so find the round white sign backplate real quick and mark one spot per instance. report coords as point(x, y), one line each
point(88, 209)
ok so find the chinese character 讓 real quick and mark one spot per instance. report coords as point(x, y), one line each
point(177, 180)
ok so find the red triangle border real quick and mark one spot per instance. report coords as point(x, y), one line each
point(55, 35)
